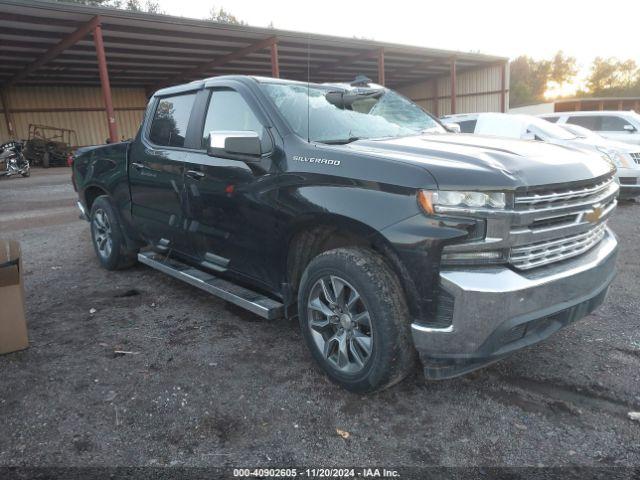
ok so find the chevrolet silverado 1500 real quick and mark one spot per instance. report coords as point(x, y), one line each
point(352, 209)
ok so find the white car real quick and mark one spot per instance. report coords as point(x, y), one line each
point(623, 126)
point(624, 156)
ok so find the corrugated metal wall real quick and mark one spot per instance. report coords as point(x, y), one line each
point(76, 108)
point(476, 91)
point(81, 108)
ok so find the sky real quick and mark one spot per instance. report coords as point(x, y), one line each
point(539, 28)
point(583, 29)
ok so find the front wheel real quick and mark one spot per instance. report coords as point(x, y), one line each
point(108, 238)
point(355, 320)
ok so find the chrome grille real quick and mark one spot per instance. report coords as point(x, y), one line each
point(547, 223)
point(556, 222)
point(543, 253)
point(635, 156)
point(550, 198)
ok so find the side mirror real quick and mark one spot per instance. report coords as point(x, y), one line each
point(528, 136)
point(235, 145)
point(452, 127)
point(630, 128)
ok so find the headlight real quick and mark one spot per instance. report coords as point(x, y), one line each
point(430, 200)
point(615, 157)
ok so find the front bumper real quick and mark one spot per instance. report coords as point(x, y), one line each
point(629, 179)
point(497, 310)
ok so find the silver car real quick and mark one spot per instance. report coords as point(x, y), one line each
point(621, 126)
point(624, 156)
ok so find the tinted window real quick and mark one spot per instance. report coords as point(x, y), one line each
point(467, 126)
point(551, 119)
point(586, 121)
point(613, 124)
point(229, 111)
point(169, 124)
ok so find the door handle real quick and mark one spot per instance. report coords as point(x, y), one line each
point(195, 174)
point(138, 165)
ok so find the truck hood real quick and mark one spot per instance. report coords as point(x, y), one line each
point(483, 162)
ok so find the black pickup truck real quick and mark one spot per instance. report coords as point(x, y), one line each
point(351, 208)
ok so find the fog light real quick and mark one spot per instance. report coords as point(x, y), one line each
point(491, 256)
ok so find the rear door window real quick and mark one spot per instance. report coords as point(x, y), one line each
point(592, 122)
point(170, 120)
point(611, 123)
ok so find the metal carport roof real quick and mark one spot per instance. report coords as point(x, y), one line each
point(146, 49)
point(63, 44)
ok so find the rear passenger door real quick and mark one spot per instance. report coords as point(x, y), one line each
point(156, 170)
point(619, 128)
point(230, 218)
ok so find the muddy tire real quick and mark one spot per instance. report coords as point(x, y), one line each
point(108, 238)
point(354, 319)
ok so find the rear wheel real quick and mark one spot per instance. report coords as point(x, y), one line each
point(108, 239)
point(354, 319)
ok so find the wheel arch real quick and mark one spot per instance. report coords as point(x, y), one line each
point(90, 194)
point(319, 233)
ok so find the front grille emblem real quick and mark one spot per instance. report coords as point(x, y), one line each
point(594, 215)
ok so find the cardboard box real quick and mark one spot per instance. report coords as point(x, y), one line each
point(13, 324)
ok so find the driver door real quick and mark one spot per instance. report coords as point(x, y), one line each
point(229, 215)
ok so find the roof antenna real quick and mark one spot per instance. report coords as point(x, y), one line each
point(308, 87)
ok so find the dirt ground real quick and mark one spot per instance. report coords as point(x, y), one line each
point(207, 384)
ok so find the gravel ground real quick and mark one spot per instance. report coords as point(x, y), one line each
point(208, 384)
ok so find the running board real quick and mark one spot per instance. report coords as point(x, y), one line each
point(232, 293)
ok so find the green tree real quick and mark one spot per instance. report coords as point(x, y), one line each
point(528, 80)
point(612, 77)
point(531, 78)
point(563, 68)
point(222, 16)
point(149, 6)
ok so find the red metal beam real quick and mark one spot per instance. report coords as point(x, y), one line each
point(7, 114)
point(381, 66)
point(275, 63)
point(503, 88)
point(104, 83)
point(436, 101)
point(454, 80)
point(57, 49)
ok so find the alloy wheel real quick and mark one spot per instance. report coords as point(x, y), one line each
point(340, 324)
point(102, 233)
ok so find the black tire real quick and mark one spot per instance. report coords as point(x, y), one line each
point(391, 356)
point(108, 238)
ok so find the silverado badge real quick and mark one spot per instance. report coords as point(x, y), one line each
point(325, 161)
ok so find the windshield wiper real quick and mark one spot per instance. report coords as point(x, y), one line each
point(340, 141)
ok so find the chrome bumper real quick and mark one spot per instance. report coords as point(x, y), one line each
point(490, 302)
